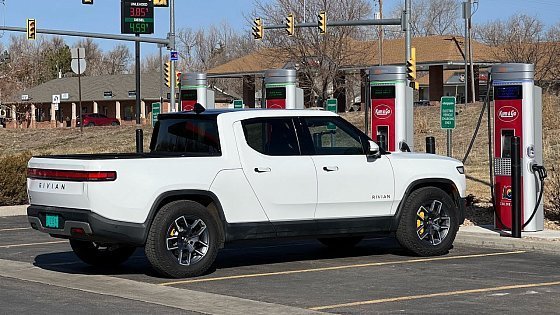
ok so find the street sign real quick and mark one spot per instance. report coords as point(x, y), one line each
point(56, 99)
point(173, 56)
point(132, 93)
point(108, 94)
point(238, 104)
point(74, 65)
point(156, 110)
point(64, 96)
point(137, 17)
point(448, 112)
point(332, 106)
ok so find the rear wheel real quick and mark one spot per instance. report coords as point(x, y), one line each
point(340, 243)
point(183, 240)
point(98, 254)
point(90, 124)
point(428, 224)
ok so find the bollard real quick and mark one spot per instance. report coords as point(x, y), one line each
point(382, 142)
point(139, 140)
point(515, 188)
point(431, 145)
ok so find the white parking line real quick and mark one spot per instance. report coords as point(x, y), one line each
point(32, 244)
point(15, 229)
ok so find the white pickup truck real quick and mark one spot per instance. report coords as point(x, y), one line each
point(217, 176)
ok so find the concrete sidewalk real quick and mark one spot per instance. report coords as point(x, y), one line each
point(11, 211)
point(547, 241)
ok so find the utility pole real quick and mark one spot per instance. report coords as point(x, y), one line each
point(471, 67)
point(172, 48)
point(466, 16)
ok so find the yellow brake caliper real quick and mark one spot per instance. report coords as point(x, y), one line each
point(419, 222)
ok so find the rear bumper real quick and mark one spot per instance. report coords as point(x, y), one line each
point(96, 228)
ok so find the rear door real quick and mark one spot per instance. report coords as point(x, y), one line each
point(349, 185)
point(283, 180)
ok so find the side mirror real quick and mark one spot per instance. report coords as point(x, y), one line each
point(374, 150)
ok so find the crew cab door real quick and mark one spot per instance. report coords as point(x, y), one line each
point(283, 180)
point(349, 185)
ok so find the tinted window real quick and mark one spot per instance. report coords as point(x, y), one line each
point(333, 136)
point(271, 136)
point(187, 135)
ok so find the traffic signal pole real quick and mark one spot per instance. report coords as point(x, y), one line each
point(172, 48)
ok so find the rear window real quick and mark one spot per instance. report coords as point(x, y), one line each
point(197, 135)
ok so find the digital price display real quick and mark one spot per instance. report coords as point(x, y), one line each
point(383, 92)
point(277, 93)
point(189, 95)
point(137, 17)
point(508, 92)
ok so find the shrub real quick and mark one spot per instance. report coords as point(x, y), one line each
point(13, 173)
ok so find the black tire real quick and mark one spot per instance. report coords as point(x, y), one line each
point(341, 243)
point(90, 124)
point(114, 123)
point(166, 262)
point(417, 227)
point(104, 255)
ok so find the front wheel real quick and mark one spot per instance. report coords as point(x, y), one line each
point(428, 224)
point(98, 254)
point(183, 240)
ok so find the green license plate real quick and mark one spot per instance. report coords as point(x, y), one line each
point(52, 221)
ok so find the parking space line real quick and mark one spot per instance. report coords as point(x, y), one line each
point(288, 272)
point(15, 229)
point(422, 296)
point(32, 244)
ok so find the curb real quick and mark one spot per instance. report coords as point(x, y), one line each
point(500, 242)
point(11, 211)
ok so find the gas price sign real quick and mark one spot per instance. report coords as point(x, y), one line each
point(137, 17)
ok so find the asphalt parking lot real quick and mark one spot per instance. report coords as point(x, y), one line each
point(279, 277)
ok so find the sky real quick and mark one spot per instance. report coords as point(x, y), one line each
point(104, 15)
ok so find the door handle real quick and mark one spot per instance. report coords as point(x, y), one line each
point(330, 168)
point(262, 169)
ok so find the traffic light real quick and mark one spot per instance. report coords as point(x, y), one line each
point(257, 29)
point(178, 78)
point(322, 22)
point(290, 27)
point(161, 3)
point(87, 1)
point(167, 73)
point(411, 65)
point(31, 29)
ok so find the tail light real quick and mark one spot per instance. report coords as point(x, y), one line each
point(74, 176)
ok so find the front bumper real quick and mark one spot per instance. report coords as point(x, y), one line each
point(462, 207)
point(96, 228)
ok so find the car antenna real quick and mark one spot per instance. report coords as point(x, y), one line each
point(198, 108)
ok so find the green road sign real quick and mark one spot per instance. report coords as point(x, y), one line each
point(156, 110)
point(238, 104)
point(332, 106)
point(448, 112)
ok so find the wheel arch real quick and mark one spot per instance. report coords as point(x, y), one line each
point(206, 198)
point(447, 185)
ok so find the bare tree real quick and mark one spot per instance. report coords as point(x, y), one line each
point(117, 60)
point(524, 39)
point(430, 17)
point(318, 58)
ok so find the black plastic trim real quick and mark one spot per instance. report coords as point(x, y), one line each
point(103, 229)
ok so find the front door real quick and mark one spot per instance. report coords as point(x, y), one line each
point(349, 185)
point(283, 180)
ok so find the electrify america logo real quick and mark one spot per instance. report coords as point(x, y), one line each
point(382, 111)
point(506, 193)
point(508, 114)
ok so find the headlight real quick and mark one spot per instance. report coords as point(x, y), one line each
point(461, 169)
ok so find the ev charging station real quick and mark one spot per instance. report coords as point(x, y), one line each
point(391, 106)
point(194, 89)
point(281, 91)
point(517, 112)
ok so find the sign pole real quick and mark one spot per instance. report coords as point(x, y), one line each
point(139, 135)
point(449, 142)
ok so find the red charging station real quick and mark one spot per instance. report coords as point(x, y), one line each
point(391, 106)
point(517, 112)
point(194, 89)
point(281, 91)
